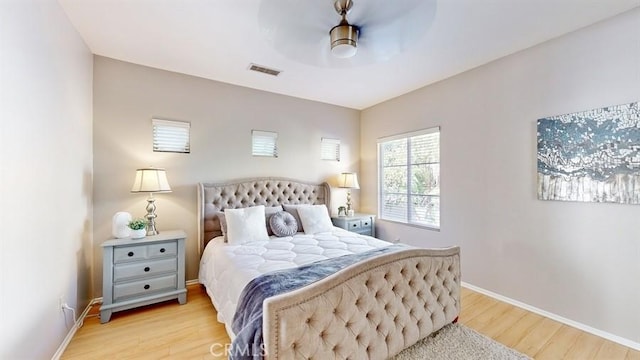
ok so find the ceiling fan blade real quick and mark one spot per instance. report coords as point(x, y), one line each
point(297, 29)
point(387, 34)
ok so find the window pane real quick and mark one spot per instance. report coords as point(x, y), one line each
point(425, 179)
point(394, 207)
point(394, 152)
point(425, 210)
point(171, 136)
point(410, 178)
point(264, 143)
point(425, 148)
point(394, 179)
point(330, 149)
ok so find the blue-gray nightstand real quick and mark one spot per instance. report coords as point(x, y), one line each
point(359, 223)
point(142, 272)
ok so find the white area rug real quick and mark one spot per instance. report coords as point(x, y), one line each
point(458, 342)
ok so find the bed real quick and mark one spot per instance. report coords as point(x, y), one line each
point(372, 308)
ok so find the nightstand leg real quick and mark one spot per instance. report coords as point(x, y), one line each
point(105, 316)
point(182, 298)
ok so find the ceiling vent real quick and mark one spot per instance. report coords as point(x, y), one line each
point(264, 70)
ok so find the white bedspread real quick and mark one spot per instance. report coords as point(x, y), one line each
point(226, 269)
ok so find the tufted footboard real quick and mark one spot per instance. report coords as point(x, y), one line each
point(373, 309)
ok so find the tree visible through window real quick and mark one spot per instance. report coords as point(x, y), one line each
point(409, 168)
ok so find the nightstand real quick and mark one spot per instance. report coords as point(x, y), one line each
point(142, 272)
point(359, 223)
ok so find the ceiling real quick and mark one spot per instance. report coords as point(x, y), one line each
point(218, 40)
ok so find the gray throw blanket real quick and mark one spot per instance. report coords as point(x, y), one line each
point(247, 321)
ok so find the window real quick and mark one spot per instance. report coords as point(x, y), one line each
point(171, 136)
point(409, 184)
point(264, 143)
point(330, 149)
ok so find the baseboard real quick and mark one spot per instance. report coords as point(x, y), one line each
point(74, 328)
point(192, 282)
point(603, 334)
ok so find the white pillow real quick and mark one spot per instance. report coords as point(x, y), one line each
point(245, 224)
point(315, 219)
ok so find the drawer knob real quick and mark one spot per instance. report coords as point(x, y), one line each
point(130, 253)
point(146, 269)
point(366, 223)
point(354, 225)
point(146, 287)
point(162, 250)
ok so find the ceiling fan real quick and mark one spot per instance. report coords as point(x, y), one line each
point(318, 32)
point(344, 36)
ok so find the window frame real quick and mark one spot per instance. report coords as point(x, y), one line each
point(173, 132)
point(408, 163)
point(329, 149)
point(260, 147)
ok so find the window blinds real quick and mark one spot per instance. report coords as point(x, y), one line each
point(409, 168)
point(264, 143)
point(171, 136)
point(330, 149)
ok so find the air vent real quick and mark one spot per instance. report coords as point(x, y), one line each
point(264, 70)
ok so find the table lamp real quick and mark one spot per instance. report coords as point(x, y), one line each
point(151, 180)
point(349, 181)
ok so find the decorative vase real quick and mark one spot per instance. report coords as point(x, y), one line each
point(138, 234)
point(119, 228)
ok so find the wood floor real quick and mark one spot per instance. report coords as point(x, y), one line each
point(190, 331)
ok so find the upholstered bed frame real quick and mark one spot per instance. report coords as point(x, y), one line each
point(373, 309)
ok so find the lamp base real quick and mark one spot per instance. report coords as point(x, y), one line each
point(151, 216)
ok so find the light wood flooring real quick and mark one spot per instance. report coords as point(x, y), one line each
point(172, 331)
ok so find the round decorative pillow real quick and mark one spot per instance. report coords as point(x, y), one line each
point(283, 224)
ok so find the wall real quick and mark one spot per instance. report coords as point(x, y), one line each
point(128, 96)
point(577, 260)
point(45, 172)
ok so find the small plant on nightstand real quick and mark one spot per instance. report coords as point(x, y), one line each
point(138, 228)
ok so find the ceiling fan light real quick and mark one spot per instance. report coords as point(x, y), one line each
point(344, 40)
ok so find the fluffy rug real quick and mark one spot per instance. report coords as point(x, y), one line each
point(458, 342)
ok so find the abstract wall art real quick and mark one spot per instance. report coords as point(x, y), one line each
point(591, 156)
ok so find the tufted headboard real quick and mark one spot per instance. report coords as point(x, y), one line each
point(250, 192)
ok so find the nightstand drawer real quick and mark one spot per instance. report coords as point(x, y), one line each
point(132, 253)
point(353, 225)
point(142, 287)
point(129, 253)
point(144, 268)
point(162, 250)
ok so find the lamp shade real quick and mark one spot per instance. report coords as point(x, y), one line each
point(151, 180)
point(349, 181)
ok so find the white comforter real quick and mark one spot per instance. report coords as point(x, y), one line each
point(226, 269)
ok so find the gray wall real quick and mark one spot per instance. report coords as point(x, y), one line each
point(578, 260)
point(45, 176)
point(128, 96)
